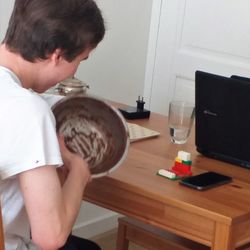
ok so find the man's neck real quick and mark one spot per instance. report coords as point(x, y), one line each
point(17, 65)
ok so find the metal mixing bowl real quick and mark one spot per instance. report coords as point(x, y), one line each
point(95, 130)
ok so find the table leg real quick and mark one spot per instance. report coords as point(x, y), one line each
point(223, 238)
point(122, 243)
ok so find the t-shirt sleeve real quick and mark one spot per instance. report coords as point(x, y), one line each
point(30, 138)
point(51, 99)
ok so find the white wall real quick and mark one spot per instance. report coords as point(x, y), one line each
point(5, 10)
point(93, 220)
point(116, 70)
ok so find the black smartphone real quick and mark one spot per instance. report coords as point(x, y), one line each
point(205, 180)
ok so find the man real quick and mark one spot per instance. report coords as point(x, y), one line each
point(44, 44)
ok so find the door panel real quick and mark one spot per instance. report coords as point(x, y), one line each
point(200, 35)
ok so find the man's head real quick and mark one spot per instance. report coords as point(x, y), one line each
point(37, 28)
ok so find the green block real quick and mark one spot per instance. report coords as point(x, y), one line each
point(189, 163)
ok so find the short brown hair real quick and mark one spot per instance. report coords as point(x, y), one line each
point(38, 27)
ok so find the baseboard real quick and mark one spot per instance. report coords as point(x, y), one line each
point(97, 226)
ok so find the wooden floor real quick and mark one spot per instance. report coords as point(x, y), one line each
point(107, 241)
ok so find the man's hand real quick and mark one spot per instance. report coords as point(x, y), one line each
point(68, 159)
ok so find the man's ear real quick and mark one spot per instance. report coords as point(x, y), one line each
point(56, 56)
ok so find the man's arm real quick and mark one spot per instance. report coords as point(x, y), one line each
point(52, 208)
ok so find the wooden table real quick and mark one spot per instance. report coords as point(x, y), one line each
point(218, 218)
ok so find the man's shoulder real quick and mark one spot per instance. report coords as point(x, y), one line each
point(29, 106)
point(33, 102)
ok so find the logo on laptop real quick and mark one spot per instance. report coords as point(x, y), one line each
point(208, 112)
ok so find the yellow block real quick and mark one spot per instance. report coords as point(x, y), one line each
point(177, 159)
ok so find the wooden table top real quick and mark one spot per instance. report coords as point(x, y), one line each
point(137, 177)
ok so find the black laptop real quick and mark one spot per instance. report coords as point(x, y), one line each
point(222, 127)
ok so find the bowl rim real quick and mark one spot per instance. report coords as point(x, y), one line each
point(120, 116)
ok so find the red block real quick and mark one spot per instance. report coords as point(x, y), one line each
point(181, 169)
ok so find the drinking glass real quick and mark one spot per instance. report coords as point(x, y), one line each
point(180, 120)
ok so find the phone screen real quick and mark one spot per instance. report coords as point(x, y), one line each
point(206, 180)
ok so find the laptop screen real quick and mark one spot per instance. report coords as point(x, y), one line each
point(222, 128)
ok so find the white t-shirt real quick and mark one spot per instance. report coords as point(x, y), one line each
point(27, 140)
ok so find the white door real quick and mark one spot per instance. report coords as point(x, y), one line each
point(208, 35)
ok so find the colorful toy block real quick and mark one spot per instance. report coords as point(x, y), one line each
point(168, 174)
point(182, 166)
point(185, 156)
